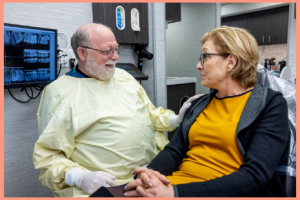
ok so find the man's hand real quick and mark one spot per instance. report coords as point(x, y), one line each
point(186, 106)
point(89, 182)
point(157, 189)
point(175, 120)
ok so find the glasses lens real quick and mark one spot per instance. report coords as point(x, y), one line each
point(202, 61)
point(112, 51)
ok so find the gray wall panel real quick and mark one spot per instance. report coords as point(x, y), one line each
point(159, 45)
point(20, 134)
point(183, 40)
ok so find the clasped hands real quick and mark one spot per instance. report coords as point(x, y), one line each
point(148, 183)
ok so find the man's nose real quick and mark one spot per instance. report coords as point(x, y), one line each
point(115, 56)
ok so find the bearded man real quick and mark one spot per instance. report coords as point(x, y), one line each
point(96, 123)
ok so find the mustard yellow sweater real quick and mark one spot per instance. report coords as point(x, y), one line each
point(213, 147)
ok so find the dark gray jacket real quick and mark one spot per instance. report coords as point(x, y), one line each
point(261, 134)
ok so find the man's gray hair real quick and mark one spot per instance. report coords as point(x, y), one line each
point(82, 38)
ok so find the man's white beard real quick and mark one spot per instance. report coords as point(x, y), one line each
point(100, 71)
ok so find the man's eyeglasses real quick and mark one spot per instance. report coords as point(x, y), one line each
point(107, 53)
point(204, 56)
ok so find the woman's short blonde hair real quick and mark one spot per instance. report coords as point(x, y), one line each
point(238, 42)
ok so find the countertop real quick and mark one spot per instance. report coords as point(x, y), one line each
point(180, 80)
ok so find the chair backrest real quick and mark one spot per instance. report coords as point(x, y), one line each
point(286, 168)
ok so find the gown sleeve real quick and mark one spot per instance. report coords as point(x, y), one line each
point(56, 142)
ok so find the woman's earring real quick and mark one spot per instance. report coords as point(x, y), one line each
point(227, 70)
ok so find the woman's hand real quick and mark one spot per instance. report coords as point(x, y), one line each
point(130, 188)
point(146, 174)
point(157, 189)
point(143, 182)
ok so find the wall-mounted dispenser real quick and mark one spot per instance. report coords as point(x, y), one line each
point(135, 19)
point(120, 17)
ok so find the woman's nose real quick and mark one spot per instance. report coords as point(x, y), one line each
point(199, 66)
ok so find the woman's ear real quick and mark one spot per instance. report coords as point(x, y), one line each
point(232, 61)
point(82, 53)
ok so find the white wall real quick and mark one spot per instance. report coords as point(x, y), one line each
point(159, 57)
point(20, 120)
point(291, 48)
point(231, 9)
point(183, 40)
point(218, 15)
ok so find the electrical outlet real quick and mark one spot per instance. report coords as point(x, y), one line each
point(66, 57)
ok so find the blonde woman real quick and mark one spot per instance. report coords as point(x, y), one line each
point(230, 140)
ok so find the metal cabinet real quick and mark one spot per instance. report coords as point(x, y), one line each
point(105, 13)
point(268, 26)
point(274, 26)
point(254, 24)
point(241, 21)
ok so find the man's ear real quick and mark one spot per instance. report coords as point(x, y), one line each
point(232, 62)
point(82, 53)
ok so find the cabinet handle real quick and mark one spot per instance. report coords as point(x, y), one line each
point(269, 38)
point(263, 39)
